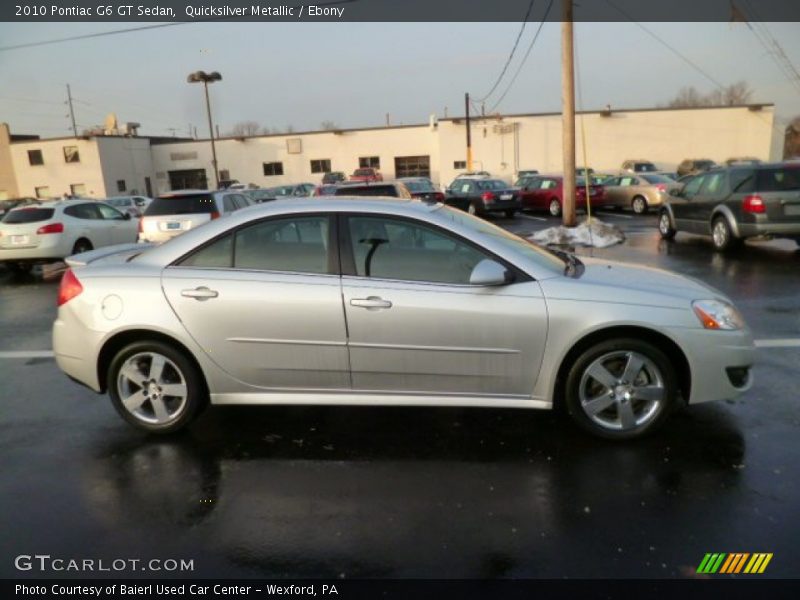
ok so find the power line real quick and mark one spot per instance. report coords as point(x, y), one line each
point(510, 56)
point(524, 58)
point(90, 35)
point(670, 47)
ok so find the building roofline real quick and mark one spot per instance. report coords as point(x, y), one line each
point(151, 138)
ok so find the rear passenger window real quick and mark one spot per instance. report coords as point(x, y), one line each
point(296, 244)
point(83, 211)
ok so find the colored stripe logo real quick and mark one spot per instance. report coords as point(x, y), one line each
point(736, 562)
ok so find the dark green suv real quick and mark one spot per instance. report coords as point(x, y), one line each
point(735, 203)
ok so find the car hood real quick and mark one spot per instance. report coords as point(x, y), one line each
point(616, 282)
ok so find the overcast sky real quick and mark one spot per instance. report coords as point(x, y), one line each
point(301, 74)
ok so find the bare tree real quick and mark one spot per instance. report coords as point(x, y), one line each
point(732, 95)
point(791, 139)
point(245, 128)
point(328, 125)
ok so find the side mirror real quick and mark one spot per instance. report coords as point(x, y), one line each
point(126, 216)
point(489, 272)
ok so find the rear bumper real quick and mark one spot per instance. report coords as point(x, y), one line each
point(720, 363)
point(38, 254)
point(775, 229)
point(73, 346)
point(502, 205)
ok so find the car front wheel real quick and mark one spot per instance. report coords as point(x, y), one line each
point(621, 389)
point(155, 387)
point(555, 208)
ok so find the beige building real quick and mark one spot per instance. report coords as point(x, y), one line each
point(101, 166)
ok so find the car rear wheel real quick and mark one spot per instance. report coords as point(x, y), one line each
point(621, 389)
point(665, 227)
point(20, 268)
point(510, 214)
point(555, 207)
point(155, 387)
point(721, 234)
point(639, 205)
point(82, 246)
point(471, 209)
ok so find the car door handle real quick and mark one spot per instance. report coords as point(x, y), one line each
point(371, 302)
point(200, 293)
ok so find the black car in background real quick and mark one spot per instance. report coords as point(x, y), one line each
point(484, 196)
point(333, 177)
point(422, 188)
point(735, 203)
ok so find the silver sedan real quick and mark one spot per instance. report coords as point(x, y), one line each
point(388, 302)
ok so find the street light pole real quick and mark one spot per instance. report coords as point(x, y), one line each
point(206, 78)
point(568, 115)
point(211, 133)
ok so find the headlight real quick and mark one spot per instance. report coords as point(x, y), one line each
point(716, 314)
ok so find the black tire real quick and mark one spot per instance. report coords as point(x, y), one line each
point(196, 396)
point(511, 213)
point(639, 205)
point(473, 209)
point(554, 206)
point(82, 245)
point(665, 227)
point(721, 234)
point(657, 373)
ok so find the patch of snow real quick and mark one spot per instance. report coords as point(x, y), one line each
point(599, 235)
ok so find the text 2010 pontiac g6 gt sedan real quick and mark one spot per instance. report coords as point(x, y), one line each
point(386, 302)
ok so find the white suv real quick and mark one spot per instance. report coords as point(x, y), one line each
point(173, 213)
point(52, 230)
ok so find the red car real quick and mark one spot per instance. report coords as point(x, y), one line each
point(367, 174)
point(546, 192)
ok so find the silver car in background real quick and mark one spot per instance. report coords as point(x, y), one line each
point(390, 302)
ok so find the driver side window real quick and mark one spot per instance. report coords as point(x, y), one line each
point(388, 248)
point(692, 187)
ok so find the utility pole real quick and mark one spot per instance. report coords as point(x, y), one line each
point(469, 135)
point(568, 114)
point(71, 112)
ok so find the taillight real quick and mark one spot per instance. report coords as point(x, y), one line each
point(438, 196)
point(753, 204)
point(662, 187)
point(214, 215)
point(51, 228)
point(69, 288)
point(487, 197)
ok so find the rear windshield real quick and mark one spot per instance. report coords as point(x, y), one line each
point(28, 215)
point(656, 179)
point(645, 167)
point(181, 205)
point(367, 190)
point(778, 179)
point(490, 184)
point(419, 186)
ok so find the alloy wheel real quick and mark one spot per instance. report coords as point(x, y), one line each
point(152, 388)
point(720, 234)
point(622, 391)
point(555, 208)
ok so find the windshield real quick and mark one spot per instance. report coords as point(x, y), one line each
point(522, 246)
point(181, 205)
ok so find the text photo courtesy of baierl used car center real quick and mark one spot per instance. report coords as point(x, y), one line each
point(373, 299)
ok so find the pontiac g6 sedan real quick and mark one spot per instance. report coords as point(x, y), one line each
point(390, 302)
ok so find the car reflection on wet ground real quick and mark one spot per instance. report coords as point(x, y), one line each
point(410, 492)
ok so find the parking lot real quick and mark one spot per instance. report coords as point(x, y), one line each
point(410, 492)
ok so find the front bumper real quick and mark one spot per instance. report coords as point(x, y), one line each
point(720, 362)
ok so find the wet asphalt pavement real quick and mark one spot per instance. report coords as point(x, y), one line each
point(411, 492)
